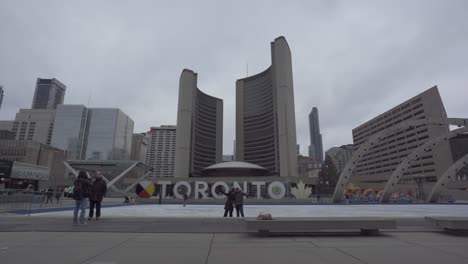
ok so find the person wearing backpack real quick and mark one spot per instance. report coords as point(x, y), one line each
point(81, 192)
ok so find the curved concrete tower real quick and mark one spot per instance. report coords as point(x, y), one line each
point(265, 115)
point(199, 140)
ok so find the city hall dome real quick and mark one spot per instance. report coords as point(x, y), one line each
point(234, 169)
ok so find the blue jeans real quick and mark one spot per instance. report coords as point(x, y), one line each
point(80, 204)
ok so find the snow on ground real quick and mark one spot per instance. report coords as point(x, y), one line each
point(322, 210)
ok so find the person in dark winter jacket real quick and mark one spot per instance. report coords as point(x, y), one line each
point(98, 191)
point(49, 195)
point(239, 201)
point(81, 192)
point(229, 205)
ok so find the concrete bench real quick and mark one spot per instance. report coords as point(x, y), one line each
point(367, 225)
point(454, 225)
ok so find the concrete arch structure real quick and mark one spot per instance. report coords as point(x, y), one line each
point(408, 161)
point(365, 147)
point(445, 178)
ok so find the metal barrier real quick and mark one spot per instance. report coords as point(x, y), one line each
point(17, 200)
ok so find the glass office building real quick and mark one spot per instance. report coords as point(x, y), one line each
point(94, 133)
point(69, 130)
point(109, 136)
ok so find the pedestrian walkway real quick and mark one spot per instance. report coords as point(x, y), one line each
point(214, 248)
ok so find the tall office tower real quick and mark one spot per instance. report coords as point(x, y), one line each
point(1, 96)
point(139, 147)
point(70, 130)
point(379, 163)
point(199, 141)
point(340, 156)
point(34, 124)
point(109, 134)
point(265, 117)
point(49, 93)
point(316, 147)
point(94, 133)
point(161, 150)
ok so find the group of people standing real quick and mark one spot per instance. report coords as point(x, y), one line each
point(86, 192)
point(235, 199)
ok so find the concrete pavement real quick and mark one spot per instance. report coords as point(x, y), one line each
point(121, 240)
point(94, 248)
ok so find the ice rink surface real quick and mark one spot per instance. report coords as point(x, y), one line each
point(320, 210)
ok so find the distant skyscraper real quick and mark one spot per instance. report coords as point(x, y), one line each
point(94, 133)
point(227, 158)
point(49, 93)
point(265, 115)
point(34, 124)
point(199, 128)
point(316, 147)
point(161, 150)
point(340, 156)
point(139, 147)
point(1, 96)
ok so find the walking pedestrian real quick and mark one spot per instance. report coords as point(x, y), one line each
point(81, 192)
point(49, 195)
point(239, 202)
point(318, 198)
point(229, 205)
point(58, 194)
point(98, 191)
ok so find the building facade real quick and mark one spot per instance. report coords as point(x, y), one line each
point(227, 158)
point(307, 167)
point(6, 134)
point(6, 125)
point(34, 124)
point(93, 133)
point(1, 96)
point(48, 94)
point(265, 115)
point(37, 154)
point(139, 147)
point(316, 147)
point(70, 129)
point(340, 156)
point(161, 152)
point(199, 141)
point(381, 160)
point(109, 134)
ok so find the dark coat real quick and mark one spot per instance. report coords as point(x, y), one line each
point(239, 198)
point(231, 197)
point(85, 186)
point(98, 190)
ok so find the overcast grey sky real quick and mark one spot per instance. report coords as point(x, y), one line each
point(351, 59)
